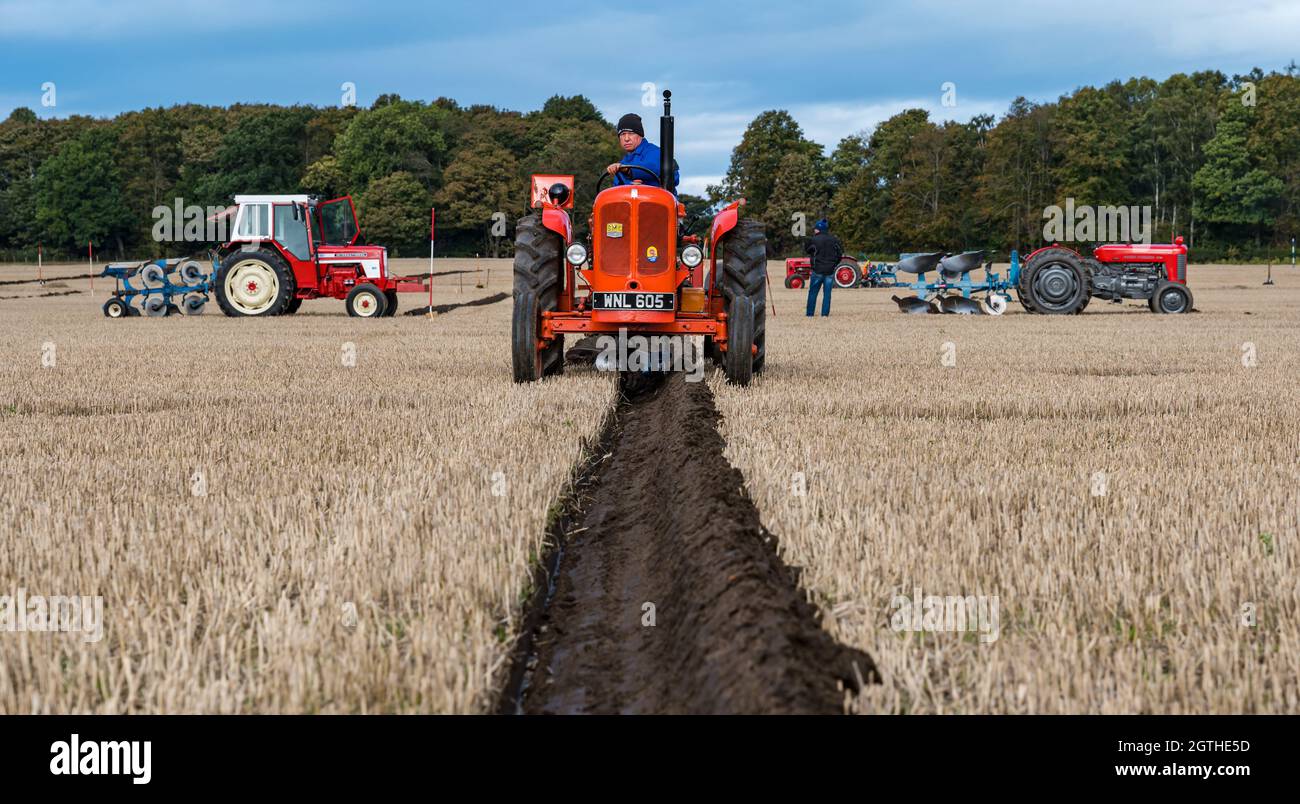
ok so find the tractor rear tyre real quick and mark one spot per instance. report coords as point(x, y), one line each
point(538, 263)
point(366, 301)
point(391, 309)
point(1055, 282)
point(1170, 298)
point(292, 306)
point(847, 274)
point(744, 275)
point(254, 283)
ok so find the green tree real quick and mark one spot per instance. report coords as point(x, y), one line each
point(265, 152)
point(1091, 133)
point(325, 178)
point(394, 212)
point(482, 181)
point(397, 136)
point(1183, 118)
point(797, 198)
point(1016, 184)
point(1231, 188)
point(149, 160)
point(576, 108)
point(79, 194)
point(757, 159)
point(863, 203)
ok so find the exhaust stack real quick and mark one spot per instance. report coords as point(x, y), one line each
point(666, 144)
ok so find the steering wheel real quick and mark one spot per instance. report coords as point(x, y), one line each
point(623, 169)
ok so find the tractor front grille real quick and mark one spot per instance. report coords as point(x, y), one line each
point(654, 254)
point(613, 252)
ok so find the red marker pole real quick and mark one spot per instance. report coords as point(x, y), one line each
point(91, 246)
point(433, 216)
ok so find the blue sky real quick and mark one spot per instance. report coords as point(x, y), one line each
point(838, 67)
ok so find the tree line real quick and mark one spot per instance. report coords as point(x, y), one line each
point(1217, 160)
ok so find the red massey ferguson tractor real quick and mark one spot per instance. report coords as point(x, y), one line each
point(1060, 281)
point(637, 273)
point(288, 248)
point(848, 274)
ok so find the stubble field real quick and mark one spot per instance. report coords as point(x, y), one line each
point(273, 530)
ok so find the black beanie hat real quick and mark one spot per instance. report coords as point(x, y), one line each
point(631, 122)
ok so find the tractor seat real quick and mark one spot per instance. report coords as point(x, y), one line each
point(959, 264)
point(919, 263)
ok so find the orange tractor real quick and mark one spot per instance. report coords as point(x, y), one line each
point(637, 273)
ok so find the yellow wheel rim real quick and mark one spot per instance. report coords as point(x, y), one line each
point(252, 287)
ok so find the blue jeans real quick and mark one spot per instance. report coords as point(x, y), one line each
point(816, 280)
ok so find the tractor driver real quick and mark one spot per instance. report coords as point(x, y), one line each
point(639, 151)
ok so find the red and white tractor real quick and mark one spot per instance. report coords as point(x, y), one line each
point(285, 249)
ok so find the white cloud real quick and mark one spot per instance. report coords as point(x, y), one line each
point(697, 185)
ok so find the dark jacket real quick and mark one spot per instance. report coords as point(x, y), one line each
point(825, 250)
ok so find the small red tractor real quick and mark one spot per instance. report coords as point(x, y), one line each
point(1060, 281)
point(848, 274)
point(288, 248)
point(637, 273)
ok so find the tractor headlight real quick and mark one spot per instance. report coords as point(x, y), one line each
point(692, 256)
point(576, 255)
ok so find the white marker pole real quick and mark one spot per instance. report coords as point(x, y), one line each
point(40, 266)
point(91, 246)
point(433, 215)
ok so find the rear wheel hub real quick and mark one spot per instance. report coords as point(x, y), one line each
point(1056, 285)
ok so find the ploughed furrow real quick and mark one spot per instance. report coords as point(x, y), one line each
point(665, 594)
point(439, 309)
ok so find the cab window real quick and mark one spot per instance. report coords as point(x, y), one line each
point(254, 221)
point(290, 232)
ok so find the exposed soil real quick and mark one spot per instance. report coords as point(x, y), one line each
point(48, 279)
point(439, 309)
point(44, 295)
point(658, 516)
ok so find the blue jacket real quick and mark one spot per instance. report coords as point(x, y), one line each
point(646, 155)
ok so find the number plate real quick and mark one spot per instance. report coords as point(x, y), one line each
point(656, 302)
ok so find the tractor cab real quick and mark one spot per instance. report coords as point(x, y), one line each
point(636, 273)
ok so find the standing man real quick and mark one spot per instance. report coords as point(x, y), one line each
point(638, 153)
point(826, 251)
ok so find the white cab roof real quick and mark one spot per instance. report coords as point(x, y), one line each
point(271, 199)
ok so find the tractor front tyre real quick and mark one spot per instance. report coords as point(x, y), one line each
point(1055, 282)
point(744, 276)
point(254, 283)
point(789, 281)
point(739, 359)
point(1171, 298)
point(366, 301)
point(538, 263)
point(116, 308)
